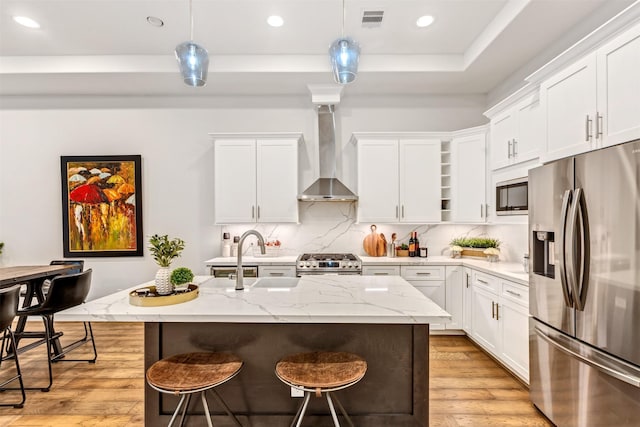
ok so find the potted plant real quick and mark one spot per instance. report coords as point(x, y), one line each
point(1, 246)
point(164, 251)
point(181, 275)
point(475, 246)
point(402, 250)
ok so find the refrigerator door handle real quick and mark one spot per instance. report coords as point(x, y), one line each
point(566, 199)
point(608, 370)
point(585, 252)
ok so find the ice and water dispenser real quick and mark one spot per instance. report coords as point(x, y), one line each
point(543, 256)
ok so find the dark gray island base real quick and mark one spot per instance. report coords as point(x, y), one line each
point(394, 392)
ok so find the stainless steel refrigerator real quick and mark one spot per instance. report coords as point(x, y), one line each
point(584, 279)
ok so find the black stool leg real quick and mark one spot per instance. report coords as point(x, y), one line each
point(18, 376)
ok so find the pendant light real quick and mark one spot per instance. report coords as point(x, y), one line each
point(193, 59)
point(344, 54)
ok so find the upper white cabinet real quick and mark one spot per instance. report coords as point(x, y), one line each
point(398, 179)
point(516, 134)
point(594, 102)
point(247, 170)
point(468, 178)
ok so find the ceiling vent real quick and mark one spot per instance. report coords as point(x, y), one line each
point(372, 18)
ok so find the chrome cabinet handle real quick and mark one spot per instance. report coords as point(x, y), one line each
point(467, 275)
point(515, 145)
point(599, 125)
point(497, 311)
point(258, 211)
point(513, 293)
point(587, 128)
point(509, 149)
point(380, 274)
point(396, 211)
point(482, 281)
point(276, 273)
point(481, 210)
point(493, 310)
point(253, 212)
point(423, 273)
point(402, 211)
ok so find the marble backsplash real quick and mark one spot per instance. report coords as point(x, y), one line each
point(332, 227)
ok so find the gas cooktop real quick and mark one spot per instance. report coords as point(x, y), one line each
point(327, 263)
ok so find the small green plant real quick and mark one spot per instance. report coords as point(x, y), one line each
point(181, 275)
point(475, 242)
point(403, 247)
point(164, 250)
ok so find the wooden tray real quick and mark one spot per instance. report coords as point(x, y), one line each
point(151, 299)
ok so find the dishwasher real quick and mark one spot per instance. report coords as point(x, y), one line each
point(220, 271)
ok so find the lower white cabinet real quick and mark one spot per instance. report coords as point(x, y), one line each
point(381, 270)
point(499, 320)
point(276, 271)
point(466, 300)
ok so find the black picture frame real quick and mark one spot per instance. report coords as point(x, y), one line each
point(101, 206)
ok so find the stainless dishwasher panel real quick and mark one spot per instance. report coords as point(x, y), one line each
point(248, 271)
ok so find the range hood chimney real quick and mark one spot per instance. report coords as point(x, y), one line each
point(327, 188)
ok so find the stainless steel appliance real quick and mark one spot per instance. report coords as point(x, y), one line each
point(512, 197)
point(584, 279)
point(225, 271)
point(321, 263)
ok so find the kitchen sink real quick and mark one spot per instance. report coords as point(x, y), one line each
point(276, 282)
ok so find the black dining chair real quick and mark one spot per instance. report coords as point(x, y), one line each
point(79, 269)
point(9, 298)
point(65, 291)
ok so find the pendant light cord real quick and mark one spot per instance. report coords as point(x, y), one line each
point(191, 18)
point(343, 17)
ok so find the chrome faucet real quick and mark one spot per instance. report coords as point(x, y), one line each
point(239, 272)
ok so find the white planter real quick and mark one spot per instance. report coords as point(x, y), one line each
point(163, 284)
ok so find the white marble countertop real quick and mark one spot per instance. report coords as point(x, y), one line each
point(507, 270)
point(316, 299)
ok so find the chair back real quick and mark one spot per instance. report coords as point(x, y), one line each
point(79, 263)
point(9, 298)
point(66, 291)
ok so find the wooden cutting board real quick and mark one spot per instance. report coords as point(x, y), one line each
point(375, 244)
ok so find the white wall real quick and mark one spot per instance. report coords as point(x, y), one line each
point(177, 154)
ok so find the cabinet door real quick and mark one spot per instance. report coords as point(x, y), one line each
point(529, 136)
point(485, 326)
point(503, 129)
point(378, 180)
point(454, 297)
point(235, 181)
point(420, 188)
point(569, 103)
point(619, 88)
point(466, 301)
point(514, 335)
point(277, 180)
point(434, 290)
point(468, 178)
point(381, 270)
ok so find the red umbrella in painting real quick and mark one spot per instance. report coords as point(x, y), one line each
point(88, 193)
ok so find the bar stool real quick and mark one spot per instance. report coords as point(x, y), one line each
point(8, 308)
point(189, 373)
point(321, 372)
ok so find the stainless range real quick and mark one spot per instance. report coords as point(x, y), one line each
point(328, 264)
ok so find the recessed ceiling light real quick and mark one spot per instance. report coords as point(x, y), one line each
point(26, 22)
point(275, 21)
point(156, 22)
point(424, 21)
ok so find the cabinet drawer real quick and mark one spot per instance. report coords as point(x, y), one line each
point(382, 270)
point(435, 272)
point(486, 281)
point(276, 271)
point(515, 293)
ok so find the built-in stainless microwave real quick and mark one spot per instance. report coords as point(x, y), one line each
point(512, 197)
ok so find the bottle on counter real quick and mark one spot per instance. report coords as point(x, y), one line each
point(226, 244)
point(416, 242)
point(412, 245)
point(234, 247)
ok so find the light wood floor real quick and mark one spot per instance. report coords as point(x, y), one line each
point(467, 387)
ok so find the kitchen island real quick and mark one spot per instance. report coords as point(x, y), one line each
point(383, 319)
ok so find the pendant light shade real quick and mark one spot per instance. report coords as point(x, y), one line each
point(344, 54)
point(193, 59)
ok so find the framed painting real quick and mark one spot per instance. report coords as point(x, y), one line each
point(101, 206)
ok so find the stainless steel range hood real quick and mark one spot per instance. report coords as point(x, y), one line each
point(327, 188)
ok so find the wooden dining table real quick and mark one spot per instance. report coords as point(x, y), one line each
point(33, 277)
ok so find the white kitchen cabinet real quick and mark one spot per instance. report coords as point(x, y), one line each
point(247, 170)
point(454, 297)
point(515, 133)
point(466, 300)
point(594, 102)
point(399, 180)
point(429, 280)
point(276, 271)
point(468, 178)
point(500, 320)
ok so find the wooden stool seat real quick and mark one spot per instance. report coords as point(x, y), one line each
point(321, 372)
point(189, 373)
point(321, 369)
point(193, 371)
